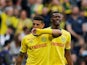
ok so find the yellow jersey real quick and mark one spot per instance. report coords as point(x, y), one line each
point(6, 21)
point(37, 49)
point(58, 46)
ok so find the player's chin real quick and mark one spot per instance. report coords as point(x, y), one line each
point(57, 23)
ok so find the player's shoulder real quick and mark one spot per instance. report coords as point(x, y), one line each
point(28, 36)
point(66, 32)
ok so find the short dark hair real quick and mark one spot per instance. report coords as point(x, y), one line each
point(40, 18)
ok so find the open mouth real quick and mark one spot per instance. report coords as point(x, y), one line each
point(57, 23)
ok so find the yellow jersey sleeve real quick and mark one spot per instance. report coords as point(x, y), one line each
point(68, 43)
point(44, 31)
point(23, 46)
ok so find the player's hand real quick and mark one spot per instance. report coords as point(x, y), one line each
point(33, 31)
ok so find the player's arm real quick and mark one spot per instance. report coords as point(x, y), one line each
point(54, 32)
point(19, 59)
point(67, 50)
point(68, 57)
point(23, 51)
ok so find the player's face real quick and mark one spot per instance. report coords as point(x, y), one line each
point(38, 24)
point(56, 18)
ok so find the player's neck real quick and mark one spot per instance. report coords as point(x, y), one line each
point(55, 27)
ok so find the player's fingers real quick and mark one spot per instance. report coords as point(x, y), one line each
point(34, 31)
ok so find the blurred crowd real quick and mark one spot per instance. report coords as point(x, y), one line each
point(16, 21)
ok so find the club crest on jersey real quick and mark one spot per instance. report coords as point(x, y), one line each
point(43, 39)
point(63, 39)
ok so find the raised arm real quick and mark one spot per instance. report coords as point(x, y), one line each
point(54, 32)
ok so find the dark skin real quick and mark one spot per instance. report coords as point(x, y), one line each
point(56, 19)
point(68, 57)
